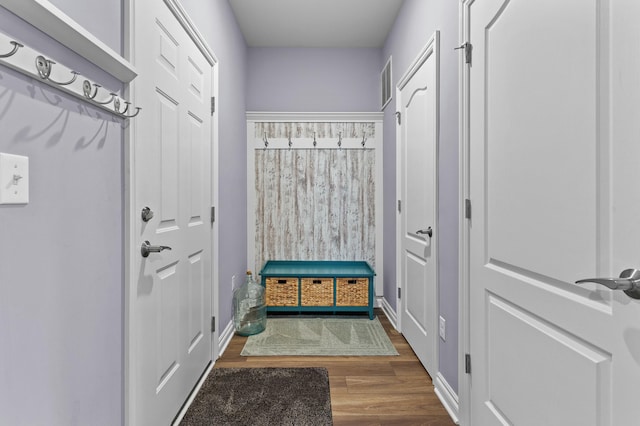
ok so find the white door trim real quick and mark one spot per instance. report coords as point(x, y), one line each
point(411, 70)
point(464, 379)
point(131, 241)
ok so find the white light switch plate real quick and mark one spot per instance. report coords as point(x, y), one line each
point(443, 329)
point(14, 179)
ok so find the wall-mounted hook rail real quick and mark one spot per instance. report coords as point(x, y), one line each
point(16, 46)
point(21, 59)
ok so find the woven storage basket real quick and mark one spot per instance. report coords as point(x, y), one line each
point(352, 292)
point(316, 292)
point(282, 291)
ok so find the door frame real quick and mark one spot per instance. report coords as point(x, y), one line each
point(431, 47)
point(464, 284)
point(131, 241)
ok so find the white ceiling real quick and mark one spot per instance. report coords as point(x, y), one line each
point(315, 23)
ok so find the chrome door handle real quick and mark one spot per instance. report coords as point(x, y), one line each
point(629, 282)
point(147, 248)
point(428, 232)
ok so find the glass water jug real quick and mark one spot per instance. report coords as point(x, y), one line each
point(249, 308)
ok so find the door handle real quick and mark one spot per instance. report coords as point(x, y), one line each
point(428, 232)
point(629, 282)
point(147, 248)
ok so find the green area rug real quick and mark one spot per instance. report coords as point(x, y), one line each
point(262, 397)
point(320, 337)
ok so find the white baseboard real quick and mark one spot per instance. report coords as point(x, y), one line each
point(225, 337)
point(447, 396)
point(389, 312)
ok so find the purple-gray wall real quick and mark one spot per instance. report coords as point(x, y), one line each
point(217, 23)
point(61, 258)
point(313, 80)
point(101, 18)
point(414, 26)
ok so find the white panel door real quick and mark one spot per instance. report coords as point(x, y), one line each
point(418, 105)
point(554, 185)
point(172, 176)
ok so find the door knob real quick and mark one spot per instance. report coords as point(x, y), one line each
point(428, 232)
point(147, 248)
point(147, 214)
point(629, 282)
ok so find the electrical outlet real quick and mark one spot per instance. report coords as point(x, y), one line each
point(442, 329)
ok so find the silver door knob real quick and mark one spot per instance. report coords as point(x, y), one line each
point(629, 282)
point(147, 248)
point(428, 232)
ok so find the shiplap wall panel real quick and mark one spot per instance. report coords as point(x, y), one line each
point(316, 204)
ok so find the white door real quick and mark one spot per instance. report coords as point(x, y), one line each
point(554, 185)
point(417, 100)
point(172, 176)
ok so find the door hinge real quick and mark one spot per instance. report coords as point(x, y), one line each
point(213, 214)
point(213, 324)
point(399, 117)
point(399, 293)
point(467, 363)
point(213, 104)
point(399, 206)
point(468, 47)
point(467, 208)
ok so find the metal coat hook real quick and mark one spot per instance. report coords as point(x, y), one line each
point(16, 46)
point(290, 143)
point(340, 140)
point(88, 89)
point(131, 115)
point(265, 140)
point(113, 96)
point(314, 140)
point(364, 139)
point(44, 66)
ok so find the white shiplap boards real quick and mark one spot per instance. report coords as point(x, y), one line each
point(319, 202)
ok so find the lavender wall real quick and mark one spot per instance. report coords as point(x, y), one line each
point(216, 22)
point(415, 24)
point(101, 18)
point(313, 80)
point(61, 262)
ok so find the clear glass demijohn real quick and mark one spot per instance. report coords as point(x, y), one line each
point(249, 308)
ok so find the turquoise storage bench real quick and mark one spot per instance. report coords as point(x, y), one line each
point(318, 286)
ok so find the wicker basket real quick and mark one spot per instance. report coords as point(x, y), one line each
point(316, 292)
point(352, 291)
point(282, 291)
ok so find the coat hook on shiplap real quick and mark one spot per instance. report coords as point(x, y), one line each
point(314, 140)
point(264, 139)
point(340, 140)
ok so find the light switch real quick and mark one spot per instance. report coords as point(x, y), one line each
point(14, 179)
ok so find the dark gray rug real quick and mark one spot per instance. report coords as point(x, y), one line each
point(262, 396)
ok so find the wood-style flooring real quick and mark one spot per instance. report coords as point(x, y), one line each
point(376, 390)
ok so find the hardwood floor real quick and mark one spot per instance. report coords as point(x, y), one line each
point(376, 390)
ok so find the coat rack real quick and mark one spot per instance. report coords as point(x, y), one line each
point(33, 64)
